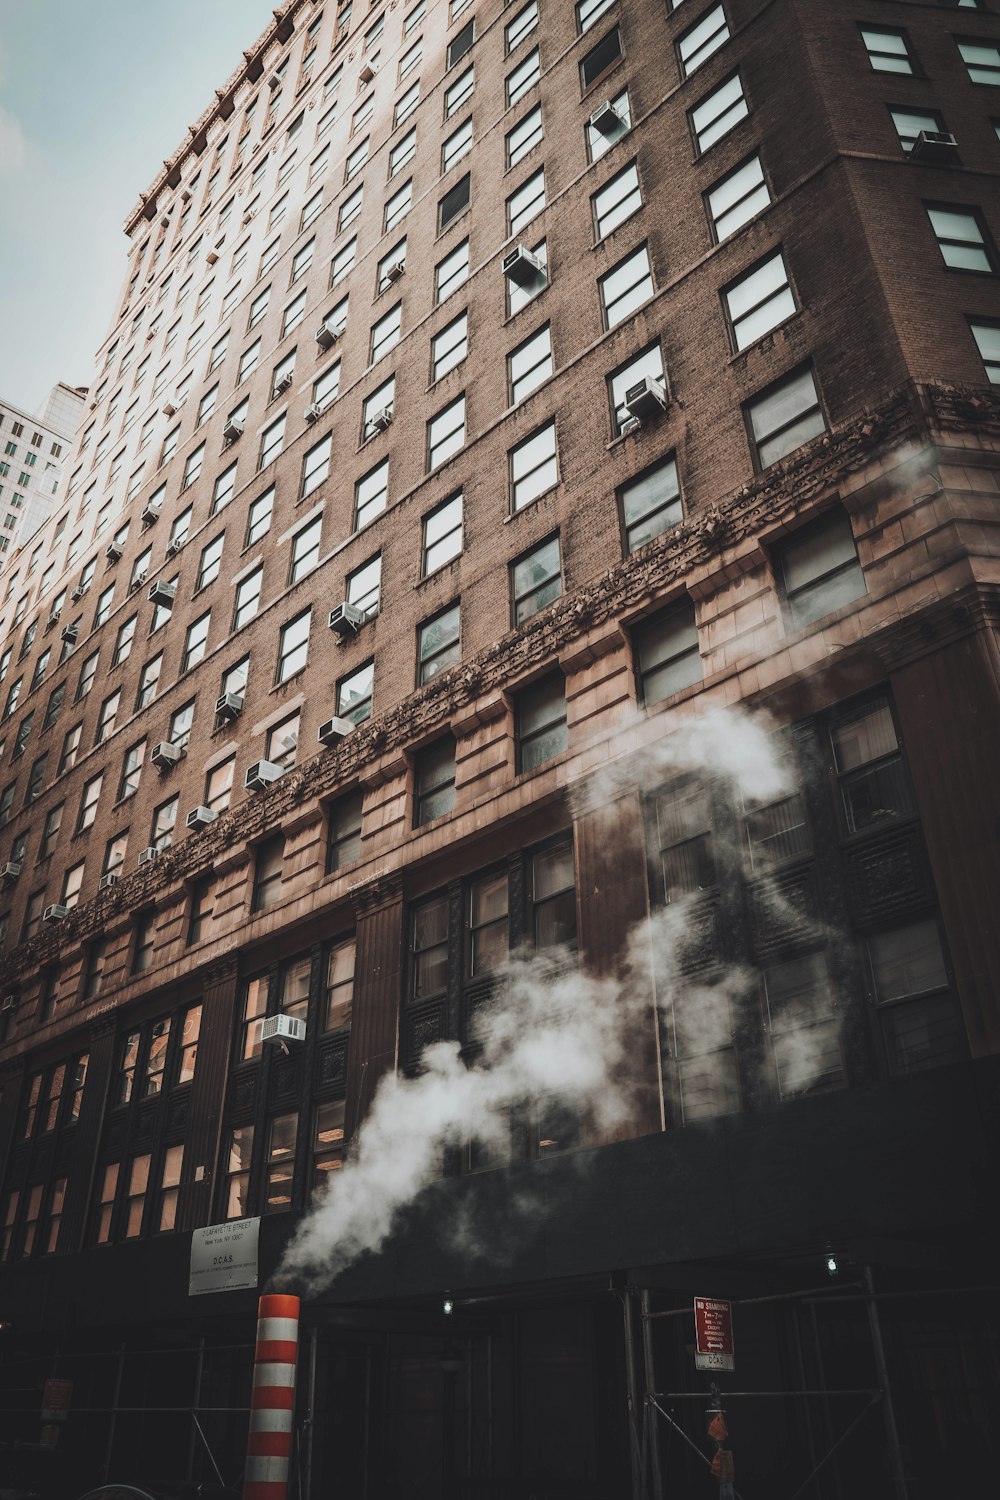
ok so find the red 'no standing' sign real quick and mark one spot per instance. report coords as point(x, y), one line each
point(713, 1327)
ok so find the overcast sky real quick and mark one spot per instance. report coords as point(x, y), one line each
point(93, 95)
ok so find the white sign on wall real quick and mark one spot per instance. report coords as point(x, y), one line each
point(224, 1257)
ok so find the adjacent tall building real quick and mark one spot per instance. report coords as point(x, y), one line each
point(494, 390)
point(31, 473)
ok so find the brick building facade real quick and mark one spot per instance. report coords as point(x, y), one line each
point(592, 366)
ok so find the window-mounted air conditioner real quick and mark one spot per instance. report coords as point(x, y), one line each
point(606, 118)
point(200, 817)
point(395, 271)
point(161, 592)
point(645, 398)
point(212, 257)
point(170, 407)
point(346, 620)
point(380, 420)
point(112, 553)
point(106, 882)
point(55, 913)
point(937, 146)
point(145, 855)
point(54, 617)
point(150, 514)
point(284, 384)
point(366, 73)
point(137, 582)
point(69, 633)
point(261, 774)
point(9, 872)
point(283, 1029)
point(165, 755)
point(522, 267)
point(313, 413)
point(328, 333)
point(332, 730)
point(79, 592)
point(8, 1002)
point(229, 706)
point(174, 546)
point(232, 431)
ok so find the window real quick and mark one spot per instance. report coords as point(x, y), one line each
point(278, 210)
point(438, 644)
point(170, 1177)
point(131, 771)
point(237, 1172)
point(601, 59)
point(54, 705)
point(218, 354)
point(820, 568)
point(267, 873)
point(327, 387)
point(523, 138)
point(301, 261)
point(701, 40)
point(305, 550)
point(528, 201)
point(962, 239)
point(536, 580)
point(294, 313)
point(533, 467)
point(758, 302)
point(114, 854)
point(455, 201)
point(414, 18)
point(405, 105)
point(398, 206)
point(461, 42)
point(271, 442)
point(735, 200)
point(248, 362)
point(589, 11)
point(617, 200)
point(196, 641)
point(258, 308)
point(103, 609)
point(354, 694)
point(370, 495)
point(162, 611)
point(378, 405)
point(293, 649)
point(283, 742)
point(523, 25)
point(921, 1026)
point(106, 718)
point(345, 840)
point(888, 51)
point(35, 780)
point(219, 785)
point(350, 208)
point(456, 146)
point(142, 959)
point(223, 490)
point(450, 346)
point(363, 586)
point(987, 337)
point(442, 535)
point(429, 960)
point(181, 721)
point(909, 123)
point(403, 152)
point(88, 802)
point(800, 1001)
point(385, 333)
point(458, 94)
point(540, 714)
point(70, 749)
point(312, 209)
point(410, 59)
point(627, 287)
point(446, 433)
point(666, 653)
point(784, 417)
point(651, 504)
point(23, 735)
point(247, 598)
point(388, 264)
point(210, 561)
point(281, 375)
point(529, 364)
point(523, 77)
point(164, 820)
point(982, 59)
point(450, 273)
point(279, 1167)
point(434, 781)
point(202, 906)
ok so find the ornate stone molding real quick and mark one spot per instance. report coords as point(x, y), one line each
point(381, 892)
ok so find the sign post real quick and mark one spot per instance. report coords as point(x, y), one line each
point(713, 1326)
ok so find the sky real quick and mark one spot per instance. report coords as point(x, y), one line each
point(93, 95)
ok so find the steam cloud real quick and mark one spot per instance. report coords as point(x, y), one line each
point(551, 1030)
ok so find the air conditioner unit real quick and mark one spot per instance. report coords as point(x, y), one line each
point(606, 118)
point(112, 553)
point(200, 817)
point(936, 146)
point(137, 582)
point(645, 398)
point(106, 882)
point(522, 267)
point(166, 755)
point(333, 730)
point(79, 592)
point(54, 616)
point(150, 514)
point(313, 413)
point(165, 222)
point(346, 620)
point(185, 195)
point(380, 420)
point(229, 706)
point(283, 1029)
point(261, 774)
point(174, 546)
point(55, 913)
point(366, 73)
point(395, 271)
point(327, 334)
point(9, 872)
point(145, 855)
point(8, 1002)
point(212, 257)
point(69, 633)
point(283, 384)
point(232, 431)
point(161, 592)
point(170, 407)
point(274, 82)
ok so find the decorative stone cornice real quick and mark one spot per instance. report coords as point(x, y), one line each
point(812, 473)
point(381, 892)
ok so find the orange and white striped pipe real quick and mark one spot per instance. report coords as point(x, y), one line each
point(272, 1403)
